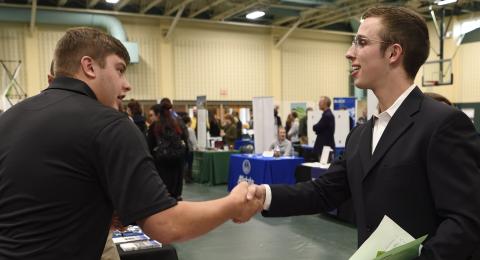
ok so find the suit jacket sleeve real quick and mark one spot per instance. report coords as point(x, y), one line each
point(453, 169)
point(323, 194)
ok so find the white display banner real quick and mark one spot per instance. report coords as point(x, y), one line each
point(263, 126)
point(244, 115)
point(202, 115)
point(312, 118)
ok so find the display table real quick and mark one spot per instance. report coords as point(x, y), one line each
point(166, 252)
point(262, 170)
point(211, 166)
point(138, 246)
point(309, 171)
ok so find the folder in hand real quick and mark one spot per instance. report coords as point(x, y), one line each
point(393, 243)
point(407, 251)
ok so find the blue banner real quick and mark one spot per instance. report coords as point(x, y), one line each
point(349, 104)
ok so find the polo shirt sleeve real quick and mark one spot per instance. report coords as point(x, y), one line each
point(127, 172)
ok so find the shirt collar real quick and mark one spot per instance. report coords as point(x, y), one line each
point(394, 107)
point(72, 84)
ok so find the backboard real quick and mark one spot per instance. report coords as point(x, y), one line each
point(437, 73)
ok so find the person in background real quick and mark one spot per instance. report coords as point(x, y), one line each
point(90, 160)
point(168, 131)
point(214, 125)
point(416, 161)
point(288, 123)
point(238, 124)
point(277, 118)
point(303, 128)
point(229, 131)
point(438, 97)
point(250, 122)
point(193, 145)
point(325, 128)
point(151, 117)
point(134, 110)
point(282, 145)
point(292, 134)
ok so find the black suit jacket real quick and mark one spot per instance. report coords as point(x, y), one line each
point(325, 129)
point(424, 174)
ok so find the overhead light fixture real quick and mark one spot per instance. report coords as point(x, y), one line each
point(445, 2)
point(112, 1)
point(255, 15)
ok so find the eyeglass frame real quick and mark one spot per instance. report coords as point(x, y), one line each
point(356, 38)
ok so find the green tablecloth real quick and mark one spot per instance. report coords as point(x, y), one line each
point(211, 166)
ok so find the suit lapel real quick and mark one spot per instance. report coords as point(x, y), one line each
point(401, 121)
point(366, 144)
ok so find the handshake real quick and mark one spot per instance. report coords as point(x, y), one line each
point(248, 200)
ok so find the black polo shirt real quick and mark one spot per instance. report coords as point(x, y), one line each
point(66, 161)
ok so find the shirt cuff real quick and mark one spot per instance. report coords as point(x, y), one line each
point(268, 197)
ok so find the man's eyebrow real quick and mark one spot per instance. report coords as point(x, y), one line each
point(123, 65)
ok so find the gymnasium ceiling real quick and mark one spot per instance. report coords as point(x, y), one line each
point(339, 15)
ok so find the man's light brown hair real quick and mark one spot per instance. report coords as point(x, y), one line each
point(407, 28)
point(84, 41)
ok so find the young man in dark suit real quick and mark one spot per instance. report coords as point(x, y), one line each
point(416, 160)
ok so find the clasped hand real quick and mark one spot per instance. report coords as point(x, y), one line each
point(249, 199)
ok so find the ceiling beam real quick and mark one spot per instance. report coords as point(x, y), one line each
point(178, 6)
point(231, 12)
point(283, 20)
point(150, 6)
point(313, 20)
point(175, 21)
point(121, 4)
point(33, 15)
point(205, 8)
point(92, 3)
point(305, 13)
point(62, 2)
point(341, 18)
point(284, 37)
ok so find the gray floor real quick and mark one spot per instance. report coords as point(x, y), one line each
point(304, 237)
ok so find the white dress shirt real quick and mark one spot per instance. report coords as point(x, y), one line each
point(382, 119)
point(381, 122)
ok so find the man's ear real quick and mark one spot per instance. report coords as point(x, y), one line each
point(394, 53)
point(86, 66)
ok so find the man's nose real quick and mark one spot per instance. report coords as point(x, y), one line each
point(350, 53)
point(127, 87)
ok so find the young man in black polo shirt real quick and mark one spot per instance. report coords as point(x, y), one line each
point(73, 158)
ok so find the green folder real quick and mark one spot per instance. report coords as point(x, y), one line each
point(404, 252)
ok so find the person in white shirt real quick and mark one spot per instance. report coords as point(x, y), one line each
point(193, 146)
point(282, 145)
point(416, 160)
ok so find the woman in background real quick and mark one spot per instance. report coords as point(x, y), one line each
point(168, 145)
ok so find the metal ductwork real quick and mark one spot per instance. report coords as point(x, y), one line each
point(110, 23)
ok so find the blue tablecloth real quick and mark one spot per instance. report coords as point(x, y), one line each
point(262, 170)
point(241, 142)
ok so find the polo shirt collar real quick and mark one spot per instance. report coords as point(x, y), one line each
point(72, 84)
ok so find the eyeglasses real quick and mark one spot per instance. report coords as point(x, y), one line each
point(362, 41)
